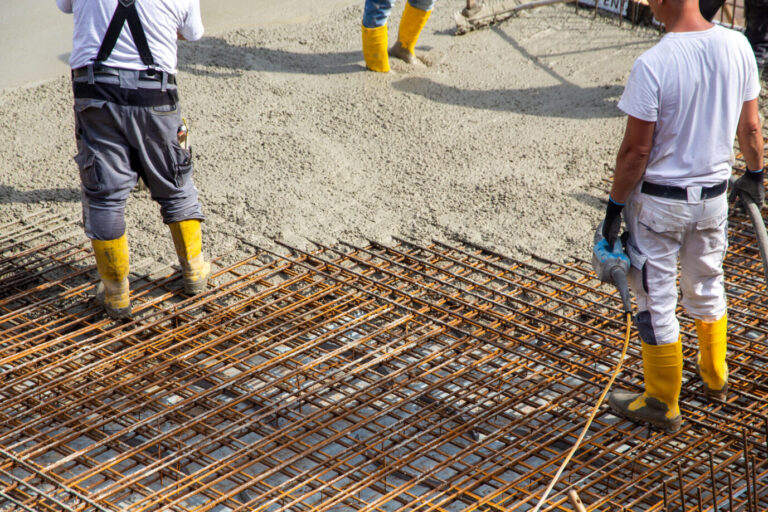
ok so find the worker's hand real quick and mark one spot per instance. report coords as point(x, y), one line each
point(612, 221)
point(752, 185)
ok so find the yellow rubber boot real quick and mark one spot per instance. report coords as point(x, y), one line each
point(112, 263)
point(375, 48)
point(188, 241)
point(411, 25)
point(711, 364)
point(658, 405)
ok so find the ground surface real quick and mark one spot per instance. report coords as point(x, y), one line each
point(503, 136)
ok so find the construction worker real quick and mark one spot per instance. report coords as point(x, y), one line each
point(127, 118)
point(685, 99)
point(374, 29)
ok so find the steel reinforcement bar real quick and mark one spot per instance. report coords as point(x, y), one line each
point(444, 377)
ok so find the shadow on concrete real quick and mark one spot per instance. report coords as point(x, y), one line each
point(212, 54)
point(562, 100)
point(9, 195)
point(591, 200)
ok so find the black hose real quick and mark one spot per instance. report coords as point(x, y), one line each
point(620, 280)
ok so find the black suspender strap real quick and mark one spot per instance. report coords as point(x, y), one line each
point(126, 11)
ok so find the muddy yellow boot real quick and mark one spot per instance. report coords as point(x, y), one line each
point(663, 369)
point(187, 238)
point(711, 364)
point(375, 48)
point(411, 24)
point(112, 262)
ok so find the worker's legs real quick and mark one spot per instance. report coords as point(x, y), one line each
point(656, 228)
point(710, 362)
point(756, 30)
point(187, 239)
point(701, 282)
point(113, 265)
point(414, 18)
point(106, 179)
point(658, 405)
point(166, 166)
point(374, 30)
point(167, 169)
point(656, 232)
point(376, 13)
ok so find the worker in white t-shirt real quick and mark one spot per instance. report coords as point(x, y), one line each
point(686, 99)
point(127, 121)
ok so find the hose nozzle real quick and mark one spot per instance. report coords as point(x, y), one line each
point(619, 276)
point(611, 265)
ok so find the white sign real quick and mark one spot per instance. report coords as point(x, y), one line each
point(609, 5)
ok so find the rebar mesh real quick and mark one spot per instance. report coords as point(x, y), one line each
point(444, 377)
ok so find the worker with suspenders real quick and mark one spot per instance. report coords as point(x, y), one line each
point(127, 118)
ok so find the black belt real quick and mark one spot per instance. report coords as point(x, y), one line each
point(113, 93)
point(145, 74)
point(681, 193)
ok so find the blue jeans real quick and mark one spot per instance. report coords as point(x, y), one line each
point(376, 12)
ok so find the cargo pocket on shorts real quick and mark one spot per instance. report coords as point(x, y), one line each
point(88, 165)
point(181, 164)
point(714, 232)
point(666, 220)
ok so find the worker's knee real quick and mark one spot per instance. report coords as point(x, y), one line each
point(178, 210)
point(376, 13)
point(704, 294)
point(656, 297)
point(104, 222)
point(424, 5)
point(705, 306)
point(657, 328)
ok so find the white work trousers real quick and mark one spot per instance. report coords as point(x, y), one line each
point(661, 230)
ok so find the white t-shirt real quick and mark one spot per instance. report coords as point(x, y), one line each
point(693, 86)
point(161, 19)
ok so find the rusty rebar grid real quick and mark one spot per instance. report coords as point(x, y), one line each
point(406, 377)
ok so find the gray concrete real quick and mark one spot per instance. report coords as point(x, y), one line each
point(36, 38)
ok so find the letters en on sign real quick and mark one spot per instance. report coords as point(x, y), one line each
point(613, 6)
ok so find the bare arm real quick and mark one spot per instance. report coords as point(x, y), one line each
point(630, 167)
point(632, 157)
point(750, 135)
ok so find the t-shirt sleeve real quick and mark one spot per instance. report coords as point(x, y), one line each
point(192, 28)
point(65, 6)
point(752, 82)
point(641, 94)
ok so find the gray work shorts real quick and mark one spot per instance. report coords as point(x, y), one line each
point(116, 145)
